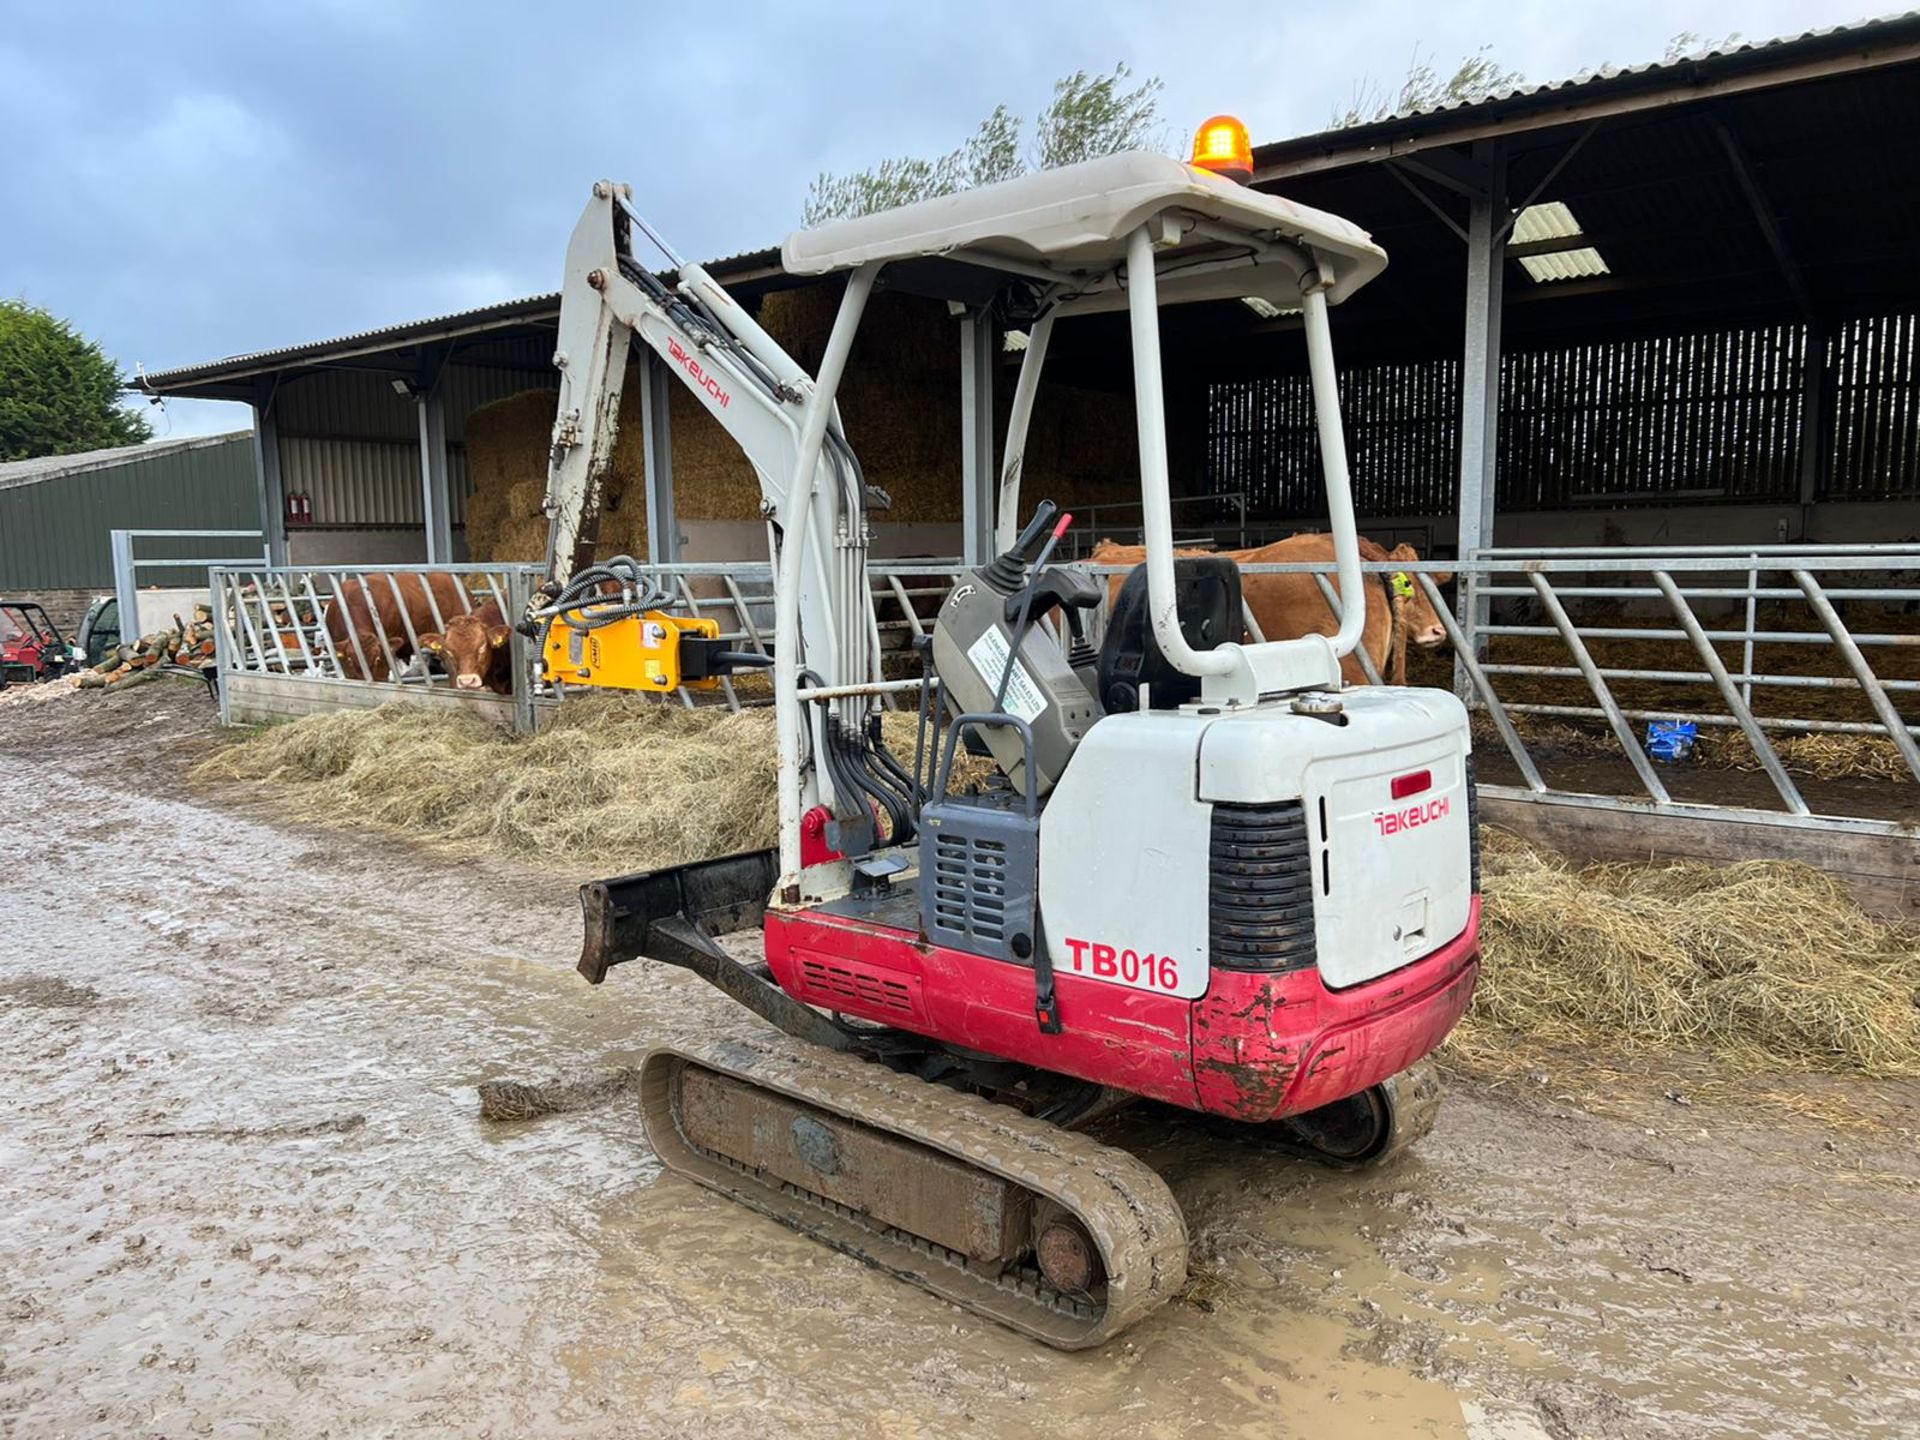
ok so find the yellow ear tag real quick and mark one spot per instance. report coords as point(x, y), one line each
point(1403, 586)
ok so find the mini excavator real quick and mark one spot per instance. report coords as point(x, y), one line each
point(1206, 873)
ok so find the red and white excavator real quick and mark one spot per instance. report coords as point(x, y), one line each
point(1207, 873)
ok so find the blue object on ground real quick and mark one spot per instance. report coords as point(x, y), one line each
point(1671, 741)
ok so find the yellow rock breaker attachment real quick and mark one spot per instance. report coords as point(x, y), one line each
point(611, 626)
point(652, 651)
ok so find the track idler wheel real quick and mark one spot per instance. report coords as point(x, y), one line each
point(1368, 1128)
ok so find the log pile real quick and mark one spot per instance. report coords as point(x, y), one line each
point(188, 643)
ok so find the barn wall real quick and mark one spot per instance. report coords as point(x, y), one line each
point(54, 530)
point(1704, 421)
point(352, 444)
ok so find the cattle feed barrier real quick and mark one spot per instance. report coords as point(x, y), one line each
point(1766, 642)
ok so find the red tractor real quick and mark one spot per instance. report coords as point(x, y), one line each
point(31, 645)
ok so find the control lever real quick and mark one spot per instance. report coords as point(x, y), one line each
point(1008, 570)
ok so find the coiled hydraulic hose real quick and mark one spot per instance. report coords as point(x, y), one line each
point(584, 604)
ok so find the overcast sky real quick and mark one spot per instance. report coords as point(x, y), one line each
point(188, 181)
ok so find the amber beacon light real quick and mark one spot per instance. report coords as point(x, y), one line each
point(1221, 145)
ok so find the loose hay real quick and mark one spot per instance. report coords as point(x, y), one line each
point(1823, 755)
point(621, 782)
point(628, 783)
point(1766, 965)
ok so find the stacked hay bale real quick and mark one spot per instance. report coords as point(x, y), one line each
point(899, 402)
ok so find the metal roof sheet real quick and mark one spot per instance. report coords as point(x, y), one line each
point(387, 337)
point(1555, 101)
point(53, 467)
point(1666, 153)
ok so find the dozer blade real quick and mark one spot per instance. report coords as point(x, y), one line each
point(971, 1200)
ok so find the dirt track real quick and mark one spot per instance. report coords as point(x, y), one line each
point(246, 1192)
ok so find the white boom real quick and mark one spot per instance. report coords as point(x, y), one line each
point(785, 423)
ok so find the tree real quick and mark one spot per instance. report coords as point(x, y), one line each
point(1088, 116)
point(59, 392)
point(1477, 76)
point(1092, 115)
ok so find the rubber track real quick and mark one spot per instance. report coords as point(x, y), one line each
point(1125, 1206)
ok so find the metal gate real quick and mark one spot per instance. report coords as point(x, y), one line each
point(1742, 638)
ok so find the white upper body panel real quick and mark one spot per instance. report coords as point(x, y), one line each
point(1075, 220)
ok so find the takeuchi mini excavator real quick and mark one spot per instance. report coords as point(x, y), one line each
point(1205, 872)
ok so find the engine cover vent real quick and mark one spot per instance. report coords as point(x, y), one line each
point(979, 876)
point(1260, 888)
point(1473, 824)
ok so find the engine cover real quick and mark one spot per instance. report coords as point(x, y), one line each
point(1385, 802)
point(1372, 802)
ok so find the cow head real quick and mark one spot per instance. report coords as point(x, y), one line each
point(1417, 618)
point(467, 650)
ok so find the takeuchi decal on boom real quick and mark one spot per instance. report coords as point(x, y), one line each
point(700, 377)
point(1392, 822)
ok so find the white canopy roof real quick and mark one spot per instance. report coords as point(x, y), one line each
point(1074, 221)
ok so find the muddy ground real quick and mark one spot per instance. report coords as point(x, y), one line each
point(244, 1190)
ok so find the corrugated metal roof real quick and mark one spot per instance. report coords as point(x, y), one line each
point(387, 337)
point(1559, 95)
point(52, 467)
point(1656, 67)
point(1353, 145)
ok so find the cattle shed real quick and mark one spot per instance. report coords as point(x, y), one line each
point(57, 512)
point(1670, 304)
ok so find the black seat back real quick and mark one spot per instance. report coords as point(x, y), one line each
point(1207, 595)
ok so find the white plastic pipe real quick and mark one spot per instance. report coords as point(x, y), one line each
point(794, 512)
point(1333, 464)
point(1007, 517)
point(1156, 505)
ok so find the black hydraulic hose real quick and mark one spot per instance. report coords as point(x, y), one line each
point(849, 780)
point(859, 761)
point(909, 785)
point(896, 801)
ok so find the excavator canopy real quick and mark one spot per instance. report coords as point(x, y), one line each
point(1073, 223)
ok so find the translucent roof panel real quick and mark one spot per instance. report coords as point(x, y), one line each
point(1555, 221)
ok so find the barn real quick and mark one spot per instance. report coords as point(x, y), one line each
point(1641, 370)
point(58, 514)
point(1668, 304)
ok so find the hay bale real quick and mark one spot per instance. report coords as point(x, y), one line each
point(1766, 965)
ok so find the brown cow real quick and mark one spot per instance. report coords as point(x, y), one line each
point(1286, 606)
point(375, 606)
point(474, 650)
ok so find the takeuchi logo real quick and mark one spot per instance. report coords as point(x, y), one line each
point(700, 377)
point(1392, 822)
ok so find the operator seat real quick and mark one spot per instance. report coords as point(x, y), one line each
point(1207, 596)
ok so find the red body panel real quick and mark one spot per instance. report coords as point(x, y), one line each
point(1254, 1047)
